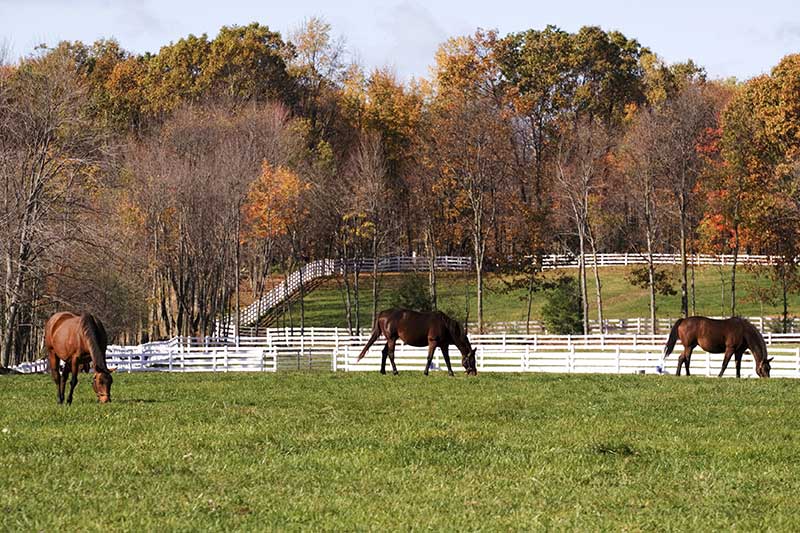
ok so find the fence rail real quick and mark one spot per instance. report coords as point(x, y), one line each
point(323, 268)
point(330, 267)
point(635, 325)
point(330, 349)
point(571, 261)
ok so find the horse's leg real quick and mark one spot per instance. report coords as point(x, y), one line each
point(738, 355)
point(52, 360)
point(62, 382)
point(688, 360)
point(683, 360)
point(74, 380)
point(384, 354)
point(728, 353)
point(446, 353)
point(431, 349)
point(391, 344)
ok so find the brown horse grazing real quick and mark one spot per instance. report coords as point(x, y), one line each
point(731, 336)
point(434, 329)
point(76, 340)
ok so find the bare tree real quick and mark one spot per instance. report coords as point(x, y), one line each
point(372, 196)
point(48, 152)
point(579, 164)
point(639, 155)
point(679, 126)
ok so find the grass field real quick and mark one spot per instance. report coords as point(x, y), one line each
point(324, 306)
point(310, 451)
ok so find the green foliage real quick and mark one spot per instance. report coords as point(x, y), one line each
point(412, 293)
point(361, 451)
point(562, 313)
point(663, 280)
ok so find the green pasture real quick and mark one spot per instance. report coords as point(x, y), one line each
point(344, 452)
point(324, 306)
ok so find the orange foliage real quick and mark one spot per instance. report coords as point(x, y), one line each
point(275, 202)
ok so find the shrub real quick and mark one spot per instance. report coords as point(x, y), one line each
point(562, 313)
point(412, 293)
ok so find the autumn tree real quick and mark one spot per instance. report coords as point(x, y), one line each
point(49, 153)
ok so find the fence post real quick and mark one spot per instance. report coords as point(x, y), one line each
point(618, 365)
point(130, 362)
point(797, 361)
point(571, 360)
point(708, 365)
point(526, 362)
point(335, 348)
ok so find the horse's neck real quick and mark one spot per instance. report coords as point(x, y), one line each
point(756, 344)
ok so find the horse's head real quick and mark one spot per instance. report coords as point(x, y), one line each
point(102, 386)
point(468, 362)
point(763, 368)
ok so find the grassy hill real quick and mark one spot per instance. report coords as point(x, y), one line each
point(324, 306)
point(344, 452)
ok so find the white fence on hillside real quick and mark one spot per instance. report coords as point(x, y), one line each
point(330, 267)
point(331, 349)
point(635, 325)
point(570, 261)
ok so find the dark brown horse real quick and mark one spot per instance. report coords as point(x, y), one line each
point(414, 328)
point(77, 340)
point(731, 336)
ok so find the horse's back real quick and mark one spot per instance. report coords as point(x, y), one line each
point(55, 323)
point(714, 335)
point(416, 328)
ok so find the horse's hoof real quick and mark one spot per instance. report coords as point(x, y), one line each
point(425, 373)
point(451, 374)
point(383, 372)
point(396, 373)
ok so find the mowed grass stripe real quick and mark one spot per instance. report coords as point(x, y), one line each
point(363, 451)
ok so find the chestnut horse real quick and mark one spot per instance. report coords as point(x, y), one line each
point(731, 336)
point(77, 340)
point(431, 329)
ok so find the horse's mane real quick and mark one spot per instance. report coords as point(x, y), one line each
point(757, 339)
point(93, 331)
point(456, 331)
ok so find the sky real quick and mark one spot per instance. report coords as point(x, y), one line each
point(729, 38)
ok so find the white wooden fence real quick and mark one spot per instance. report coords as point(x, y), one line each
point(570, 261)
point(630, 326)
point(331, 349)
point(329, 267)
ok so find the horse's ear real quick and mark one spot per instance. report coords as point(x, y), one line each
point(770, 359)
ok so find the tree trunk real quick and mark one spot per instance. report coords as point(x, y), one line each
point(733, 268)
point(597, 284)
point(582, 274)
point(374, 280)
point(430, 245)
point(684, 265)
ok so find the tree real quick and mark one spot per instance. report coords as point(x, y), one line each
point(680, 125)
point(49, 151)
point(580, 167)
point(469, 135)
point(373, 201)
point(562, 311)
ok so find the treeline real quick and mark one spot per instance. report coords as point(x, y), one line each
point(157, 190)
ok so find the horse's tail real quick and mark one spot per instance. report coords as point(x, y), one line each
point(673, 338)
point(376, 332)
point(95, 335)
